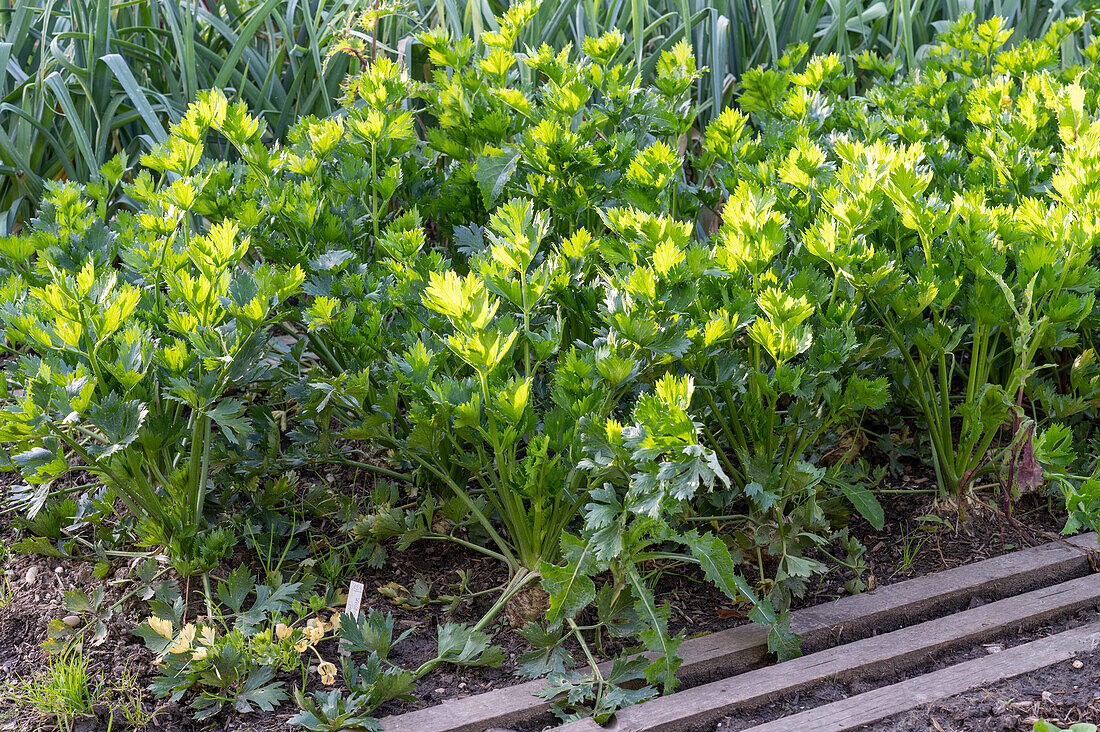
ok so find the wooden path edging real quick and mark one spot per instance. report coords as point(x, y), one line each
point(873, 706)
point(744, 647)
point(704, 705)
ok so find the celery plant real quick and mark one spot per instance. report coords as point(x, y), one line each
point(144, 341)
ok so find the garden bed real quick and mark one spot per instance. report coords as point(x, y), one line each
point(583, 375)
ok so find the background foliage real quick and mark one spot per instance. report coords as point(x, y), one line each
point(83, 80)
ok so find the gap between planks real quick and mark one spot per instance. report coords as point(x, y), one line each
point(738, 649)
point(873, 706)
point(703, 706)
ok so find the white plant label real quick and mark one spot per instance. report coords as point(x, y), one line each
point(355, 599)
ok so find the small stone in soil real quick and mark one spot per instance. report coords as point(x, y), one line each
point(71, 620)
point(994, 648)
point(32, 575)
point(1078, 664)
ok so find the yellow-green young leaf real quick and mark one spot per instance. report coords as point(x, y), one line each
point(28, 330)
point(676, 70)
point(514, 98)
point(579, 245)
point(716, 329)
point(911, 301)
point(752, 231)
point(370, 126)
point(80, 401)
point(821, 240)
point(512, 399)
point(615, 369)
point(302, 165)
point(676, 392)
point(724, 133)
point(642, 283)
point(781, 306)
point(484, 350)
point(445, 294)
point(498, 63)
point(324, 135)
point(417, 363)
point(442, 50)
point(118, 311)
point(210, 107)
point(55, 299)
point(320, 311)
point(69, 331)
point(223, 248)
point(613, 430)
point(568, 98)
point(519, 14)
point(181, 321)
point(602, 50)
point(666, 256)
point(782, 341)
point(469, 413)
point(822, 69)
point(517, 232)
point(198, 294)
point(176, 357)
point(803, 164)
point(653, 167)
point(254, 311)
point(289, 282)
point(482, 306)
point(113, 170)
point(181, 194)
point(240, 127)
point(17, 248)
point(85, 279)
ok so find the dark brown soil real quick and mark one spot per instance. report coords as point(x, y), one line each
point(1062, 694)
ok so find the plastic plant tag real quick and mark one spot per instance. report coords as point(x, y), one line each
point(355, 598)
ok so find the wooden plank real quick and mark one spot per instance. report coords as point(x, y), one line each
point(731, 651)
point(744, 647)
point(873, 706)
point(704, 705)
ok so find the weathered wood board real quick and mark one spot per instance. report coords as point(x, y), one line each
point(887, 653)
point(872, 706)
